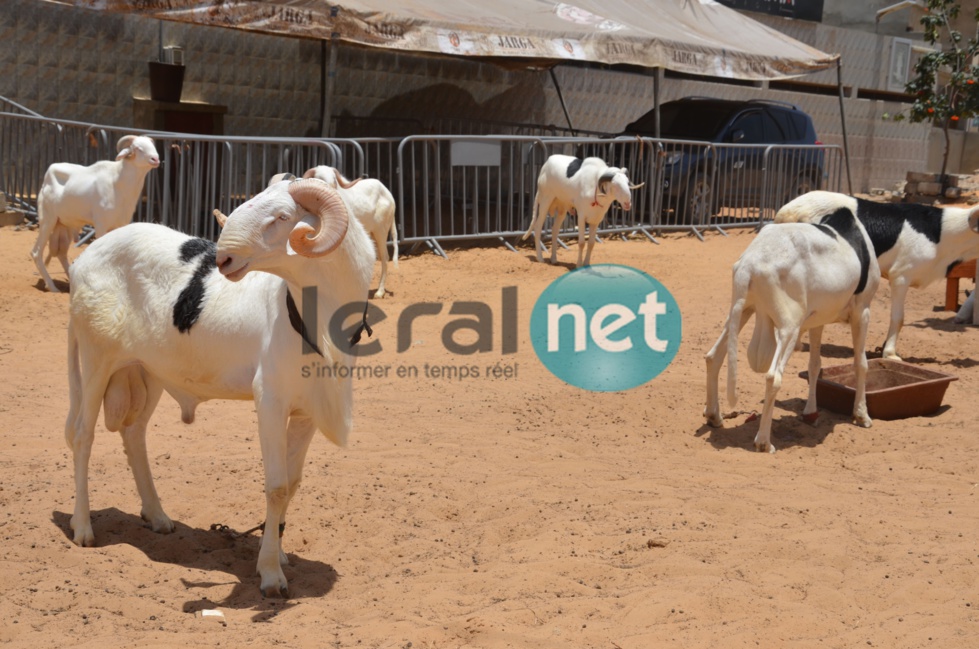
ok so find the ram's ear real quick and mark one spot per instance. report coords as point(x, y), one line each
point(279, 177)
point(605, 179)
point(974, 219)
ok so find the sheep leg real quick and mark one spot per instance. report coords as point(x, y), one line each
point(582, 229)
point(299, 434)
point(899, 290)
point(58, 245)
point(591, 242)
point(715, 359)
point(538, 228)
point(810, 412)
point(382, 254)
point(785, 340)
point(134, 443)
point(556, 226)
point(274, 442)
point(45, 228)
point(858, 328)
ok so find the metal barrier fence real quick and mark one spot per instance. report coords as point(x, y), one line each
point(196, 175)
point(448, 187)
point(482, 187)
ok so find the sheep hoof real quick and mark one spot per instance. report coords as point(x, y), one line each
point(864, 421)
point(765, 447)
point(84, 536)
point(810, 418)
point(276, 590)
point(714, 420)
point(159, 523)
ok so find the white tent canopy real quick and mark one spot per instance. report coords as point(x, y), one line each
point(691, 36)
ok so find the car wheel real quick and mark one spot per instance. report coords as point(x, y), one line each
point(803, 184)
point(698, 203)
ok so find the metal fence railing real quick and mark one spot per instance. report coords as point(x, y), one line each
point(196, 175)
point(447, 187)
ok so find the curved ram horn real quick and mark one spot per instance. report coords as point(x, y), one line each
point(636, 186)
point(222, 219)
point(319, 199)
point(124, 141)
point(124, 147)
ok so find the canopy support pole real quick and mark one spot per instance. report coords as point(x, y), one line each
point(657, 76)
point(846, 144)
point(327, 83)
point(564, 107)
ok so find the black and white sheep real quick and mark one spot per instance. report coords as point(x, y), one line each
point(103, 195)
point(915, 244)
point(587, 187)
point(154, 310)
point(796, 277)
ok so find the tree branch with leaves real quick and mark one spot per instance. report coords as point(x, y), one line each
point(946, 82)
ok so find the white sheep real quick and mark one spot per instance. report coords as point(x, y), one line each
point(915, 244)
point(373, 205)
point(587, 187)
point(103, 195)
point(796, 277)
point(152, 309)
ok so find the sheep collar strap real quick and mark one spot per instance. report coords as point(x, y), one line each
point(296, 320)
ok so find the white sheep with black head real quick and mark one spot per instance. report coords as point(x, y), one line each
point(586, 187)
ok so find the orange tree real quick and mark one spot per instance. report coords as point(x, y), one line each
point(946, 82)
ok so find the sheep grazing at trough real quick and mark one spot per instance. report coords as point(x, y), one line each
point(586, 187)
point(154, 310)
point(915, 244)
point(373, 205)
point(796, 277)
point(103, 195)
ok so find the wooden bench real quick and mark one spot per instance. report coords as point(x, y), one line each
point(966, 270)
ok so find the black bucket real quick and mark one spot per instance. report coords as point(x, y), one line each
point(166, 81)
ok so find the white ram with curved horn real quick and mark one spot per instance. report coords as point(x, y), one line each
point(154, 310)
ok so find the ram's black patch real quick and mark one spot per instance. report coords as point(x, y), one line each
point(190, 303)
point(574, 166)
point(841, 223)
point(884, 222)
point(193, 247)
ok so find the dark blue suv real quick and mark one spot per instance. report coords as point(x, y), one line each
point(719, 154)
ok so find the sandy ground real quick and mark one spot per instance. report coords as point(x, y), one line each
point(507, 511)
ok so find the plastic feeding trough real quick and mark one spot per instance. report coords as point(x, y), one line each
point(895, 389)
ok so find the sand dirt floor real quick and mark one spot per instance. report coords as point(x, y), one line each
point(509, 510)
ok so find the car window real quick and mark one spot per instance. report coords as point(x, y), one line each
point(758, 128)
point(792, 124)
point(693, 121)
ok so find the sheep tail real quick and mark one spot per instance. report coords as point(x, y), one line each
point(533, 219)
